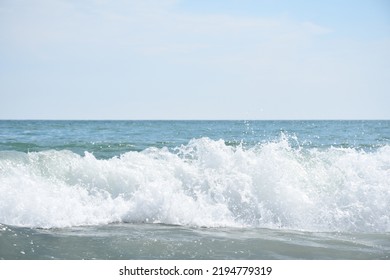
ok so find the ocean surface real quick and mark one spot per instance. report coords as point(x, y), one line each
point(194, 189)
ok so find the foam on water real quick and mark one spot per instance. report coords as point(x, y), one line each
point(204, 183)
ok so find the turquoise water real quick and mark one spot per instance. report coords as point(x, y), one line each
point(194, 189)
point(106, 139)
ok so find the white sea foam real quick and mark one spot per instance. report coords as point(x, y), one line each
point(204, 183)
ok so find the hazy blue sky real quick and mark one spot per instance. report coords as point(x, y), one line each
point(168, 59)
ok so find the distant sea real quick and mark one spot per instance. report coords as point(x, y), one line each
point(194, 189)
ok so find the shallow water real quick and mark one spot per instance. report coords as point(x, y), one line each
point(157, 241)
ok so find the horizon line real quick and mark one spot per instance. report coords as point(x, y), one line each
point(298, 119)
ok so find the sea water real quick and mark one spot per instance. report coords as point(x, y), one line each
point(194, 189)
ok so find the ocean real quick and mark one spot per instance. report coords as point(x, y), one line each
point(194, 190)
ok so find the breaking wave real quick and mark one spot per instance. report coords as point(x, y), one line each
point(205, 183)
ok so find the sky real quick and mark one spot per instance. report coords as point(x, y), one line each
point(194, 59)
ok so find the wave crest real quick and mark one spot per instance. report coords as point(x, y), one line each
point(204, 183)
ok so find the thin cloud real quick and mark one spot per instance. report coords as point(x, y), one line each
point(143, 49)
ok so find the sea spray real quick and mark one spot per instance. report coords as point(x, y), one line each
point(204, 183)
